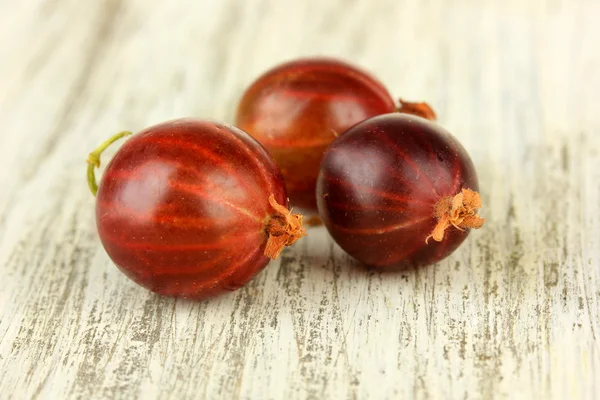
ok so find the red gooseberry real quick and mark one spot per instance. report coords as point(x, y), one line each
point(192, 208)
point(397, 191)
point(298, 108)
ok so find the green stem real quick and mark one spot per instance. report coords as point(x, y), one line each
point(93, 160)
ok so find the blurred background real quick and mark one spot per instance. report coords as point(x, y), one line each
point(79, 70)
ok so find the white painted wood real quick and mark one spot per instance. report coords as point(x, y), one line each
point(514, 313)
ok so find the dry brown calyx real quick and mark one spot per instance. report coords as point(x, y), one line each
point(419, 109)
point(459, 211)
point(283, 229)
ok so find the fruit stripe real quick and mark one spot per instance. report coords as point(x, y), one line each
point(366, 207)
point(160, 208)
point(347, 70)
point(456, 181)
point(392, 171)
point(440, 248)
point(193, 190)
point(311, 93)
point(382, 230)
point(385, 138)
point(191, 270)
point(252, 157)
point(418, 133)
point(173, 220)
point(370, 82)
point(218, 161)
point(257, 253)
point(202, 286)
point(340, 182)
point(456, 167)
point(118, 240)
point(121, 174)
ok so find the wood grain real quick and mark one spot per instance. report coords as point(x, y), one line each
point(514, 313)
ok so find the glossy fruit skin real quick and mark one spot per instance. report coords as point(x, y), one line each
point(181, 207)
point(378, 186)
point(296, 110)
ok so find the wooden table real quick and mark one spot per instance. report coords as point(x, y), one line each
point(514, 313)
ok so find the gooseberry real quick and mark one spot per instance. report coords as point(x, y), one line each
point(397, 191)
point(298, 108)
point(192, 208)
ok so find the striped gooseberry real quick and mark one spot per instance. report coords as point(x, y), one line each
point(192, 208)
point(298, 108)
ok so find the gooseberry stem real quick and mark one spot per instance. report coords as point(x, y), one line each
point(423, 110)
point(93, 160)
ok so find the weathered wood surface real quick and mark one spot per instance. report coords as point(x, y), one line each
point(515, 313)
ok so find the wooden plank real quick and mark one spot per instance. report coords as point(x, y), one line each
point(514, 313)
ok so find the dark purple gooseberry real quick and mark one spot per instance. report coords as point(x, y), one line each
point(397, 190)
